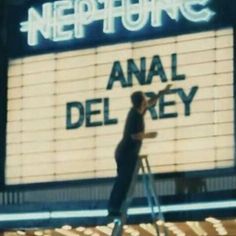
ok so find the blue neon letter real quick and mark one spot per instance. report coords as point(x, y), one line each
point(61, 20)
point(193, 15)
point(37, 23)
point(83, 16)
point(141, 9)
point(171, 7)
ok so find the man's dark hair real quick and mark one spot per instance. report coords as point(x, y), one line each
point(137, 98)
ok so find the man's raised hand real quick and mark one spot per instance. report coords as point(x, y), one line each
point(166, 89)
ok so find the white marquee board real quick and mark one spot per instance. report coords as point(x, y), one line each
point(41, 149)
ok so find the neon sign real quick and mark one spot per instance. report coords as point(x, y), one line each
point(67, 19)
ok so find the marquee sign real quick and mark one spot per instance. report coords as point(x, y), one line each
point(68, 19)
point(66, 110)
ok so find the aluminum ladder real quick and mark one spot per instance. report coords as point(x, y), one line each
point(158, 220)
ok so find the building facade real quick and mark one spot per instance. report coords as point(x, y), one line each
point(69, 69)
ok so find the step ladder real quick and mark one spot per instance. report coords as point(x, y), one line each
point(152, 197)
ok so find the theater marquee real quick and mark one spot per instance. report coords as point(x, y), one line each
point(75, 65)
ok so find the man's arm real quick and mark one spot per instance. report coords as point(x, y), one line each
point(152, 101)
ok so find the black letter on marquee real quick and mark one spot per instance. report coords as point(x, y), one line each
point(117, 74)
point(174, 69)
point(107, 120)
point(133, 70)
point(156, 68)
point(187, 99)
point(164, 103)
point(79, 122)
point(90, 112)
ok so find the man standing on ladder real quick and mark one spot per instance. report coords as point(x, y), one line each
point(127, 151)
